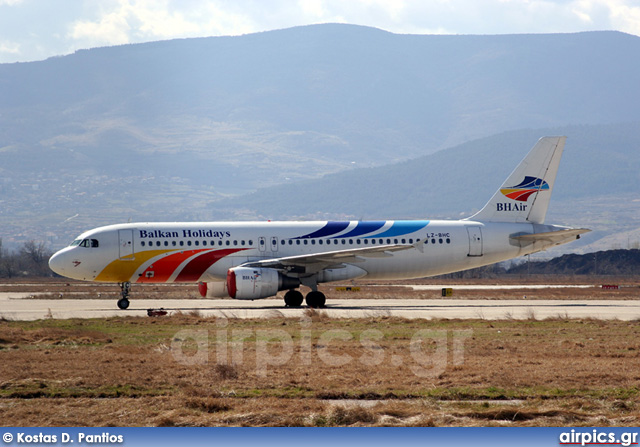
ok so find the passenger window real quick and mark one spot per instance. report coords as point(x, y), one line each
point(173, 243)
point(142, 243)
point(366, 241)
point(411, 241)
point(373, 241)
point(290, 242)
point(235, 242)
point(440, 241)
point(166, 243)
point(204, 243)
point(313, 242)
point(358, 241)
point(298, 242)
point(229, 242)
point(197, 243)
point(433, 241)
point(395, 241)
point(182, 243)
point(242, 243)
point(320, 241)
point(306, 242)
point(448, 241)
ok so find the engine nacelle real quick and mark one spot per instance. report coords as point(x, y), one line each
point(217, 289)
point(247, 283)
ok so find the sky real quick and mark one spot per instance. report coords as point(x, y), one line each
point(38, 29)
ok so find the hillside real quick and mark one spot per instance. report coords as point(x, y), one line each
point(164, 130)
point(610, 263)
point(598, 160)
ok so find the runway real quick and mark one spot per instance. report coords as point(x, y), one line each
point(17, 306)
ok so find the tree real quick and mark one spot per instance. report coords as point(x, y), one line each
point(34, 252)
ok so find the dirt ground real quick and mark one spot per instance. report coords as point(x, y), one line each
point(187, 370)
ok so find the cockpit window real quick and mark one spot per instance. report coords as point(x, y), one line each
point(76, 242)
point(93, 243)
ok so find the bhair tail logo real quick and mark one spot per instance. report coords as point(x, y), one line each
point(525, 188)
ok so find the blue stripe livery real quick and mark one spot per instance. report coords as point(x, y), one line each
point(402, 227)
point(398, 228)
point(365, 227)
point(329, 229)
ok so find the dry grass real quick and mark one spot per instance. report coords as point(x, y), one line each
point(122, 371)
point(377, 371)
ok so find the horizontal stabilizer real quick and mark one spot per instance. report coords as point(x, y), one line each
point(554, 237)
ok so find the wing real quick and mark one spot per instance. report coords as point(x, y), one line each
point(312, 263)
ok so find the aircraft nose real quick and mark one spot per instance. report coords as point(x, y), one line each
point(57, 263)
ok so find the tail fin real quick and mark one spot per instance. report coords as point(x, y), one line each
point(525, 195)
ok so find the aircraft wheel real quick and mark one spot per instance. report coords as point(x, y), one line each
point(316, 299)
point(293, 298)
point(123, 303)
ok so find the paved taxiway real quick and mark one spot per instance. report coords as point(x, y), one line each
point(17, 306)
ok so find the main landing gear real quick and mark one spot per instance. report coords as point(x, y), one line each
point(125, 288)
point(293, 298)
point(315, 299)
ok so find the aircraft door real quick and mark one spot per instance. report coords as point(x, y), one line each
point(475, 241)
point(262, 244)
point(125, 238)
point(274, 244)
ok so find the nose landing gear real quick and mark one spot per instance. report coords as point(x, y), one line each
point(125, 288)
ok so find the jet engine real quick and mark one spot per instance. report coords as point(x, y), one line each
point(247, 283)
point(217, 289)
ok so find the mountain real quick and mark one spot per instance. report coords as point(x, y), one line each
point(597, 161)
point(164, 130)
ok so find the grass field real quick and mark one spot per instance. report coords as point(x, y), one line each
point(187, 370)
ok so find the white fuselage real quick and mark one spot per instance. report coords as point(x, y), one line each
point(204, 252)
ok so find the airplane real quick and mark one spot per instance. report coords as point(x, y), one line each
point(255, 260)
